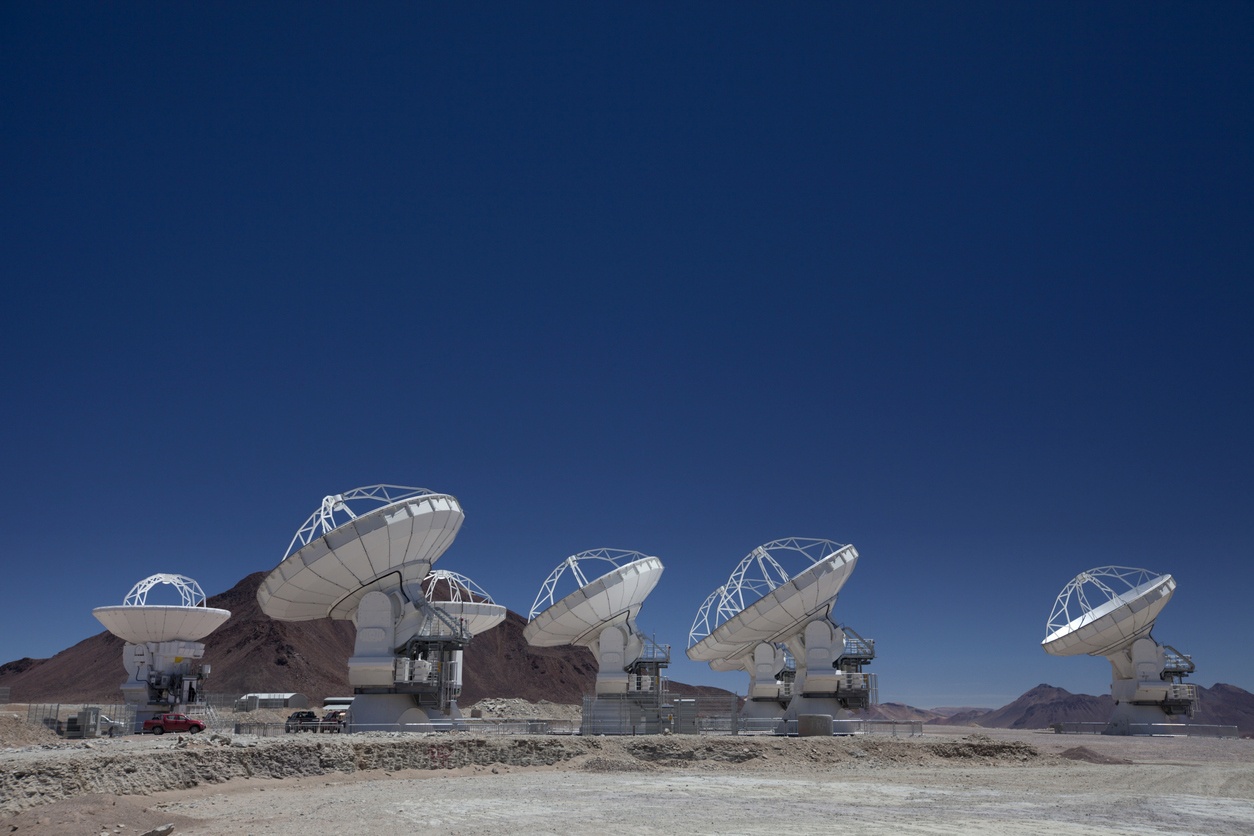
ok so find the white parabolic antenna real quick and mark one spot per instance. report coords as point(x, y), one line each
point(1110, 611)
point(362, 556)
point(779, 629)
point(771, 606)
point(601, 613)
point(138, 622)
point(381, 537)
point(1106, 609)
point(461, 598)
point(612, 598)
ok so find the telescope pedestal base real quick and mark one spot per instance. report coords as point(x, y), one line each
point(394, 712)
point(1129, 719)
point(762, 710)
point(828, 705)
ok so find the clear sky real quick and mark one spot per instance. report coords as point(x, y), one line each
point(966, 285)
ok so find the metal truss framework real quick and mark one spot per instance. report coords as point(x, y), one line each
point(443, 585)
point(336, 511)
point(547, 596)
point(757, 574)
point(1090, 590)
point(189, 591)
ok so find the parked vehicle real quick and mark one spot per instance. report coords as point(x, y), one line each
point(299, 721)
point(333, 721)
point(111, 728)
point(163, 723)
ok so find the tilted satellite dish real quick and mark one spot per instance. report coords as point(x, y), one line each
point(388, 543)
point(601, 614)
point(1106, 609)
point(1110, 611)
point(139, 622)
point(461, 598)
point(363, 556)
point(163, 646)
point(763, 618)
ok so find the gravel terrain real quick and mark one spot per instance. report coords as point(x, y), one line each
point(951, 780)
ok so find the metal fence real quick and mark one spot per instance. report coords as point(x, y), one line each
point(761, 725)
point(114, 720)
point(892, 728)
point(266, 729)
point(221, 702)
point(475, 726)
point(705, 714)
point(487, 727)
point(207, 714)
point(1151, 729)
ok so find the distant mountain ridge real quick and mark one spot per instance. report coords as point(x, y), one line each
point(1045, 705)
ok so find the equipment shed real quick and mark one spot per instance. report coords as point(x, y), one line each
point(252, 702)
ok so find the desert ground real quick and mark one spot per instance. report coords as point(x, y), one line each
point(949, 780)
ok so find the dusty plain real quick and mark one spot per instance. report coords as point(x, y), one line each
point(950, 780)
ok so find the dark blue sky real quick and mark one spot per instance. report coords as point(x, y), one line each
point(967, 286)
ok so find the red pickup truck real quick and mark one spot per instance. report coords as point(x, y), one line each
point(163, 723)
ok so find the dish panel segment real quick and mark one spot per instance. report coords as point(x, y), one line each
point(717, 646)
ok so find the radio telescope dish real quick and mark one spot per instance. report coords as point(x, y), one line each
point(363, 556)
point(163, 649)
point(138, 622)
point(461, 598)
point(601, 616)
point(1105, 609)
point(782, 603)
point(612, 598)
point(380, 537)
point(778, 628)
point(1110, 611)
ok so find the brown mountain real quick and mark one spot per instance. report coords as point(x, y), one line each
point(967, 717)
point(499, 663)
point(952, 710)
point(76, 674)
point(1045, 705)
point(901, 713)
